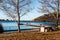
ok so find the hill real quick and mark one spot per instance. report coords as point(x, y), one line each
point(51, 17)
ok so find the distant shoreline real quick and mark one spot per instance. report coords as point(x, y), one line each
point(21, 21)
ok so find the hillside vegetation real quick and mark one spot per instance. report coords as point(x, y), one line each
point(51, 17)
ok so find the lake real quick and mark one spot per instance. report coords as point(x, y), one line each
point(10, 26)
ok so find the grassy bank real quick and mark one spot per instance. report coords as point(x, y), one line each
point(31, 36)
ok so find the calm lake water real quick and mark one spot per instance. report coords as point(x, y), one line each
point(10, 26)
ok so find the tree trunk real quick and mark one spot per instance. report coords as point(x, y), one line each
point(17, 9)
point(57, 12)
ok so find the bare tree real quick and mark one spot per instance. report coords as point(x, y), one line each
point(49, 6)
point(9, 6)
point(16, 7)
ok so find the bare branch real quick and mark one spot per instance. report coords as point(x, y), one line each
point(48, 6)
point(9, 6)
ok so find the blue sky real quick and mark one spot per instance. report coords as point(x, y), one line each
point(34, 13)
point(29, 16)
point(2, 15)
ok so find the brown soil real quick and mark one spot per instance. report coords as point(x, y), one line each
point(31, 36)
